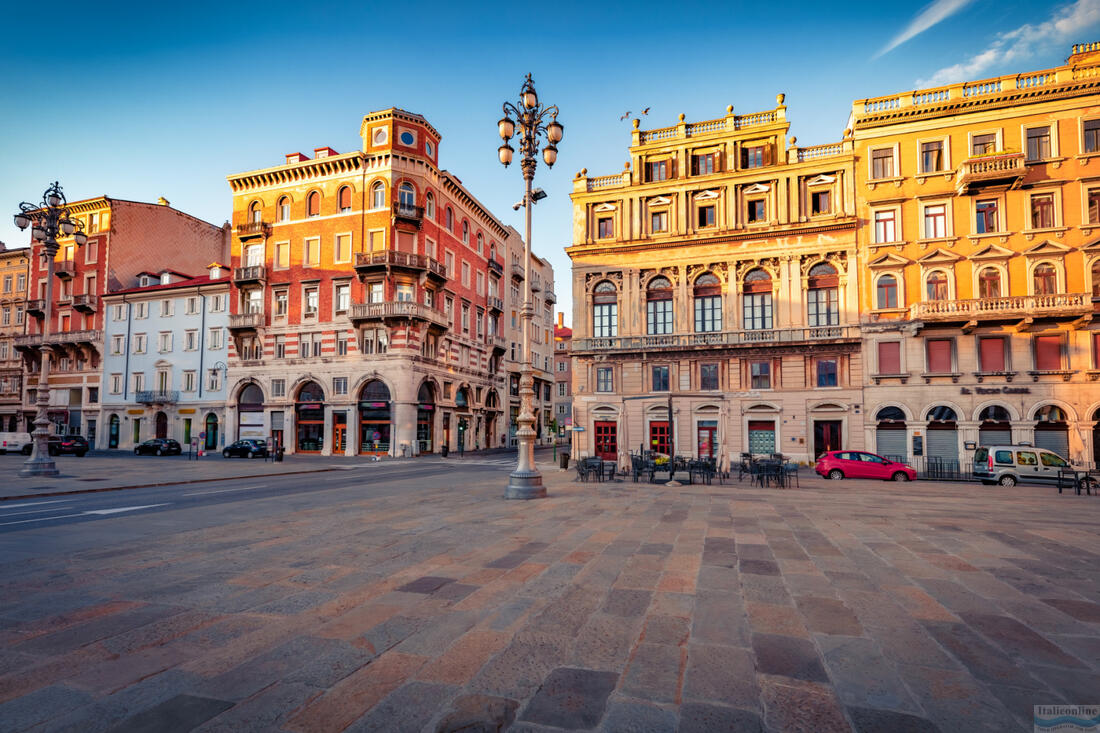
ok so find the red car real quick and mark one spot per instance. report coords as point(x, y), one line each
point(838, 464)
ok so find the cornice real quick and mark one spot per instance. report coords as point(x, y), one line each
point(634, 245)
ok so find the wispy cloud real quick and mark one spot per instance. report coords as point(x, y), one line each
point(1065, 24)
point(938, 11)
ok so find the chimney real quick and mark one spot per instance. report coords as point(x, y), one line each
point(561, 320)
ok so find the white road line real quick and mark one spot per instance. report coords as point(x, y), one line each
point(222, 491)
point(32, 503)
point(101, 512)
point(41, 519)
point(40, 511)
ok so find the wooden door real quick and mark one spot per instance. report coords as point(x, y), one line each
point(607, 441)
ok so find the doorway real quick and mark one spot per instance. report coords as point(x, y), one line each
point(161, 425)
point(826, 436)
point(706, 433)
point(339, 432)
point(137, 430)
point(112, 432)
point(211, 431)
point(658, 437)
point(607, 441)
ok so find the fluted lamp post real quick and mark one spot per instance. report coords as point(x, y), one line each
point(534, 121)
point(47, 220)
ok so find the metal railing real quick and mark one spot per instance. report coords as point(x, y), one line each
point(496, 303)
point(517, 270)
point(716, 338)
point(253, 229)
point(246, 320)
point(394, 258)
point(408, 211)
point(249, 272)
point(85, 302)
point(157, 397)
point(496, 267)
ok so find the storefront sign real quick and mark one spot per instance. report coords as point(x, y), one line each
point(309, 405)
point(187, 410)
point(994, 390)
point(373, 405)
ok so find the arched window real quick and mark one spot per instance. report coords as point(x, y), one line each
point(311, 392)
point(284, 209)
point(995, 413)
point(989, 283)
point(429, 205)
point(377, 196)
point(757, 300)
point(450, 220)
point(1050, 413)
point(255, 212)
point(251, 395)
point(822, 300)
point(480, 243)
point(466, 232)
point(343, 199)
point(941, 413)
point(886, 292)
point(375, 391)
point(1045, 278)
point(605, 310)
point(708, 303)
point(937, 285)
point(890, 414)
point(313, 204)
point(658, 305)
point(407, 195)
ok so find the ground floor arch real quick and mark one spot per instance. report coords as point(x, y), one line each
point(375, 418)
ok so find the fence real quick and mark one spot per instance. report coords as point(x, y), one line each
point(933, 468)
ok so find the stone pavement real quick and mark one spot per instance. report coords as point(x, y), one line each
point(620, 607)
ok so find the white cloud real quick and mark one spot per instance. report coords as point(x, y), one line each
point(1064, 26)
point(938, 11)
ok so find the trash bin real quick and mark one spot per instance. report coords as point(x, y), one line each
point(444, 450)
point(279, 454)
point(563, 459)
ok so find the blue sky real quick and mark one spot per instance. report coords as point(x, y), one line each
point(145, 100)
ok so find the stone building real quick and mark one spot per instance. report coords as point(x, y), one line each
point(563, 377)
point(979, 211)
point(715, 278)
point(14, 269)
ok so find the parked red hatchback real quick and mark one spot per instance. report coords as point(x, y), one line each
point(838, 464)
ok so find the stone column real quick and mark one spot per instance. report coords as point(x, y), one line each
point(229, 427)
point(351, 442)
point(326, 448)
point(403, 429)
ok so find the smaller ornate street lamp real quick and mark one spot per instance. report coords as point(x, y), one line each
point(47, 220)
point(534, 120)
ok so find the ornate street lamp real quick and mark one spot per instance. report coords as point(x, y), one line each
point(534, 120)
point(47, 220)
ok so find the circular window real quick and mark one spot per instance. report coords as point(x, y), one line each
point(407, 138)
point(429, 148)
point(380, 136)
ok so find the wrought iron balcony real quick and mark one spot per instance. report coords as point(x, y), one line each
point(1068, 305)
point(157, 397)
point(1004, 170)
point(408, 213)
point(86, 303)
point(36, 308)
point(64, 268)
point(761, 337)
point(390, 259)
point(398, 311)
point(245, 321)
point(495, 268)
point(249, 274)
point(253, 229)
point(496, 304)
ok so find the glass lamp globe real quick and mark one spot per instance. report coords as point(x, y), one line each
point(506, 127)
point(505, 152)
point(554, 131)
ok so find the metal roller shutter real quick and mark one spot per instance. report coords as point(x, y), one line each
point(994, 436)
point(1053, 440)
point(943, 445)
point(891, 443)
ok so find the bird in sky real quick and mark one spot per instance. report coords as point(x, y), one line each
point(624, 116)
point(645, 111)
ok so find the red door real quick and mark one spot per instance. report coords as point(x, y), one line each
point(706, 441)
point(658, 437)
point(607, 443)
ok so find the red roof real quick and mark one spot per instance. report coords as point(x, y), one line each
point(563, 332)
point(189, 283)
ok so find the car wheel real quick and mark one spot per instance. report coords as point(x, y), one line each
point(252, 454)
point(1007, 480)
point(225, 454)
point(899, 476)
point(160, 451)
point(836, 474)
point(137, 451)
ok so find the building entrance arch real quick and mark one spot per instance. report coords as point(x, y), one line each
point(211, 432)
point(309, 409)
point(1052, 430)
point(161, 425)
point(374, 418)
point(112, 432)
point(425, 418)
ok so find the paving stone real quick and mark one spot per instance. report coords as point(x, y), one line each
point(296, 603)
point(627, 603)
point(981, 658)
point(861, 675)
point(605, 642)
point(571, 698)
point(654, 673)
point(697, 717)
point(788, 656)
point(181, 713)
point(407, 709)
point(910, 643)
point(765, 589)
point(869, 720)
point(719, 619)
point(268, 710)
point(454, 591)
point(634, 716)
point(392, 632)
point(828, 616)
point(425, 584)
point(758, 567)
point(100, 628)
point(721, 674)
point(39, 706)
point(801, 708)
point(518, 670)
point(672, 630)
point(1019, 641)
point(954, 701)
point(1081, 610)
point(478, 714)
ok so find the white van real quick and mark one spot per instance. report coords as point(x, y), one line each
point(16, 443)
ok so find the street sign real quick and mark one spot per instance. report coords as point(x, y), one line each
point(202, 434)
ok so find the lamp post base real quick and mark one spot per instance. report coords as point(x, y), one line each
point(39, 467)
point(525, 485)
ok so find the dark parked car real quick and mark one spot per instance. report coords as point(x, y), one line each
point(247, 448)
point(159, 447)
point(67, 445)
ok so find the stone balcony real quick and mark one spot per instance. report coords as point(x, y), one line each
point(985, 172)
point(86, 303)
point(712, 339)
point(253, 229)
point(245, 321)
point(517, 271)
point(408, 213)
point(1024, 308)
point(495, 268)
point(398, 311)
point(36, 307)
point(89, 337)
point(388, 260)
point(496, 304)
point(64, 268)
point(249, 275)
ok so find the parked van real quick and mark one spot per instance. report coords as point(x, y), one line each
point(16, 443)
point(1008, 465)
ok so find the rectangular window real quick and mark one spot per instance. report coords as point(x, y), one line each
point(605, 227)
point(190, 340)
point(339, 385)
point(752, 156)
point(139, 343)
point(282, 303)
point(708, 376)
point(991, 352)
point(826, 373)
point(756, 211)
point(341, 344)
point(1094, 206)
point(561, 390)
point(889, 357)
point(658, 170)
point(310, 302)
point(466, 274)
point(189, 381)
point(480, 283)
point(117, 343)
point(659, 317)
point(939, 355)
point(757, 311)
point(1091, 130)
point(7, 283)
point(983, 144)
point(935, 221)
point(214, 380)
point(885, 227)
point(605, 320)
point(704, 164)
point(1048, 353)
point(282, 255)
point(708, 313)
point(660, 379)
point(305, 345)
point(931, 157)
point(376, 292)
point(217, 303)
point(821, 203)
point(311, 255)
point(116, 384)
point(985, 217)
point(1038, 143)
point(341, 250)
point(658, 221)
point(342, 298)
point(760, 374)
point(139, 381)
point(214, 338)
point(165, 308)
point(280, 347)
point(882, 163)
point(706, 216)
point(822, 307)
point(278, 388)
point(118, 312)
point(1042, 211)
point(192, 305)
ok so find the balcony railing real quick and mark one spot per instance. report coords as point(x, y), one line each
point(249, 274)
point(408, 212)
point(517, 270)
point(64, 268)
point(252, 229)
point(390, 258)
point(245, 321)
point(716, 338)
point(550, 297)
point(1015, 306)
point(1002, 169)
point(90, 336)
point(496, 304)
point(157, 397)
point(496, 267)
point(28, 341)
point(36, 307)
point(397, 310)
point(498, 342)
point(86, 303)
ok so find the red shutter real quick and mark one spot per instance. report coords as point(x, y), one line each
point(993, 354)
point(939, 356)
point(889, 357)
point(1048, 353)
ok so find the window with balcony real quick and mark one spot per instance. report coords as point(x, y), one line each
point(708, 377)
point(939, 353)
point(931, 157)
point(936, 286)
point(983, 144)
point(708, 303)
point(757, 300)
point(889, 357)
point(1038, 143)
point(313, 204)
point(404, 293)
point(827, 372)
point(406, 195)
point(760, 374)
point(1042, 211)
point(658, 170)
point(822, 300)
point(886, 292)
point(989, 283)
point(605, 310)
point(704, 164)
point(885, 226)
point(659, 306)
point(755, 156)
point(1048, 353)
point(255, 212)
point(991, 353)
point(882, 163)
point(935, 221)
point(378, 195)
point(659, 379)
point(605, 227)
point(282, 210)
point(1045, 279)
point(253, 300)
point(985, 217)
point(706, 216)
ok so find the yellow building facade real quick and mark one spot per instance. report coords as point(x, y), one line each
point(715, 278)
point(14, 273)
point(979, 236)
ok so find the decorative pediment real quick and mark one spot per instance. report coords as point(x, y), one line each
point(660, 201)
point(1047, 248)
point(605, 207)
point(1092, 246)
point(758, 188)
point(939, 256)
point(706, 195)
point(821, 180)
point(162, 364)
point(992, 252)
point(890, 259)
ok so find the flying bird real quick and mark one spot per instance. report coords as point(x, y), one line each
point(624, 116)
point(645, 111)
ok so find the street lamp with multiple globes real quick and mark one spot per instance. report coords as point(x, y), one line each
point(47, 220)
point(534, 120)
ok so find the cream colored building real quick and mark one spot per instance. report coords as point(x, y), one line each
point(14, 272)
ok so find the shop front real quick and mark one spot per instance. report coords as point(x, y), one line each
point(374, 419)
point(250, 417)
point(309, 414)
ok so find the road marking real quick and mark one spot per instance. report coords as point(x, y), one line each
point(222, 491)
point(40, 511)
point(32, 503)
point(40, 519)
point(123, 509)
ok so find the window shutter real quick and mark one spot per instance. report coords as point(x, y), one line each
point(993, 354)
point(889, 357)
point(1048, 353)
point(768, 153)
point(939, 356)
